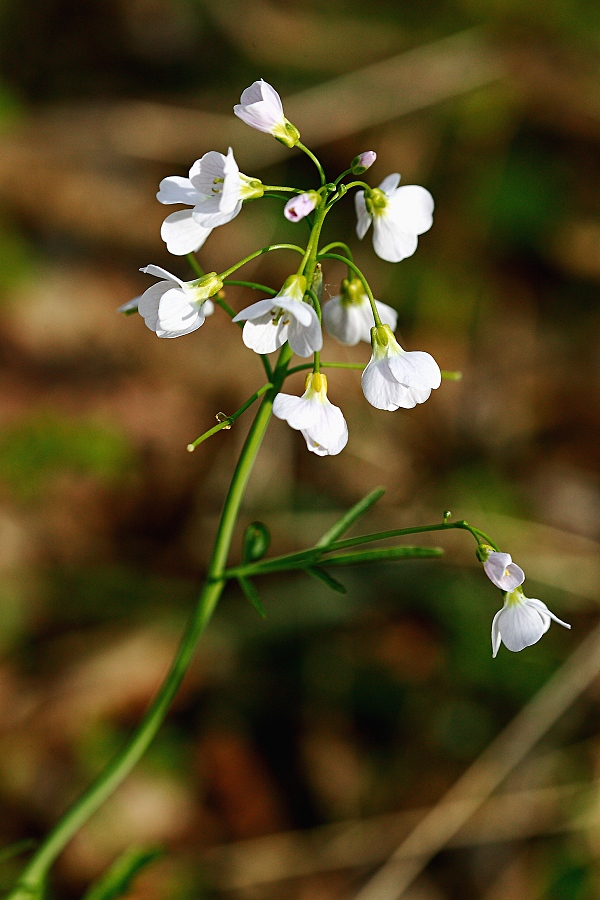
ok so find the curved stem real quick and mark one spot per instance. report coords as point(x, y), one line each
point(32, 880)
point(252, 284)
point(195, 264)
point(257, 253)
point(356, 270)
point(287, 190)
point(326, 365)
point(337, 244)
point(314, 159)
point(228, 421)
point(343, 175)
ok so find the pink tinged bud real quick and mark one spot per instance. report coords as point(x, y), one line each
point(299, 207)
point(363, 161)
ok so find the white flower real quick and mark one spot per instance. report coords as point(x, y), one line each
point(260, 107)
point(349, 317)
point(395, 378)
point(275, 320)
point(321, 423)
point(172, 307)
point(215, 189)
point(502, 571)
point(398, 214)
point(521, 622)
point(299, 207)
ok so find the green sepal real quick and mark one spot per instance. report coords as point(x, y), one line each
point(354, 513)
point(326, 578)
point(256, 542)
point(383, 553)
point(117, 881)
point(251, 594)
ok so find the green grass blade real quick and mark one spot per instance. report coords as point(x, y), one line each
point(251, 594)
point(117, 881)
point(326, 578)
point(354, 513)
point(382, 554)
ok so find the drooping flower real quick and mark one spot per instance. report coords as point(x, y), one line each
point(322, 424)
point(502, 571)
point(395, 378)
point(260, 107)
point(363, 161)
point(398, 214)
point(172, 307)
point(275, 320)
point(299, 207)
point(521, 622)
point(215, 189)
point(349, 317)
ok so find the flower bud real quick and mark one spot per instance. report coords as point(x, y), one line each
point(299, 207)
point(363, 161)
point(352, 292)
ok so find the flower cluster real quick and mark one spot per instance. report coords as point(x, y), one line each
point(214, 193)
point(292, 317)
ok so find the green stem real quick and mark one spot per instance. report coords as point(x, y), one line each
point(252, 284)
point(343, 175)
point(32, 880)
point(194, 264)
point(257, 253)
point(287, 190)
point(314, 555)
point(356, 270)
point(314, 159)
point(326, 365)
point(231, 313)
point(341, 244)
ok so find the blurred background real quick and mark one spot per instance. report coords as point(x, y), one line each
point(303, 749)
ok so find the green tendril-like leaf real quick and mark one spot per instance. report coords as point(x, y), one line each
point(117, 881)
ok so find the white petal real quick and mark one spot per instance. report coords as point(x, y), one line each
point(503, 572)
point(496, 636)
point(214, 167)
point(382, 390)
point(298, 412)
point(329, 430)
point(260, 107)
point(302, 312)
point(543, 610)
point(389, 241)
point(416, 369)
point(390, 183)
point(148, 303)
point(411, 208)
point(256, 310)
point(181, 234)
point(208, 307)
point(387, 314)
point(176, 315)
point(520, 626)
point(162, 273)
point(362, 216)
point(252, 94)
point(177, 190)
point(345, 323)
point(305, 340)
point(263, 336)
point(209, 215)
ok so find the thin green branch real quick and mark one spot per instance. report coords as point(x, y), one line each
point(228, 421)
point(257, 253)
point(341, 244)
point(356, 270)
point(327, 365)
point(312, 156)
point(252, 284)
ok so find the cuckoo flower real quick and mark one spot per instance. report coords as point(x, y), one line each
point(521, 622)
point(349, 317)
point(275, 320)
point(260, 107)
point(363, 161)
point(395, 378)
point(398, 214)
point(172, 307)
point(215, 189)
point(501, 570)
point(322, 424)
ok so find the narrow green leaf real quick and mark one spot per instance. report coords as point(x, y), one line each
point(384, 553)
point(326, 578)
point(251, 594)
point(354, 513)
point(9, 852)
point(117, 881)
